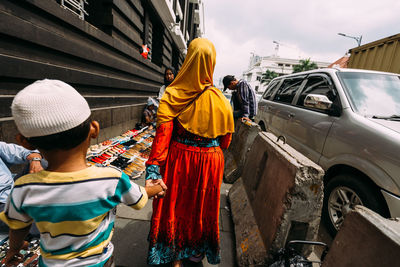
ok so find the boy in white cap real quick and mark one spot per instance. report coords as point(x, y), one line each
point(72, 204)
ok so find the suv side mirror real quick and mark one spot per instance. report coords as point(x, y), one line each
point(316, 101)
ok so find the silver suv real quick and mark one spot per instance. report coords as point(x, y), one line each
point(348, 122)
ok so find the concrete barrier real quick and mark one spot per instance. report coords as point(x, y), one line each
point(235, 155)
point(284, 190)
point(250, 248)
point(365, 239)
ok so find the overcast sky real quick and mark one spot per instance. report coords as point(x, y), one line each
point(305, 28)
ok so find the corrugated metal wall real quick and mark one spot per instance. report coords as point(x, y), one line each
point(99, 56)
point(39, 39)
point(382, 55)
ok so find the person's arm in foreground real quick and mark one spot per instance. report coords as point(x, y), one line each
point(35, 164)
point(15, 154)
point(153, 190)
point(19, 224)
point(16, 243)
point(158, 155)
point(132, 194)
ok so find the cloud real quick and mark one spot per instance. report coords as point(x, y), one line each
point(305, 28)
point(232, 55)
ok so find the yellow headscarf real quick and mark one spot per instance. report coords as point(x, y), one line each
point(210, 115)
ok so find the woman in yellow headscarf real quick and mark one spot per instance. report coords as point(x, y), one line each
point(194, 121)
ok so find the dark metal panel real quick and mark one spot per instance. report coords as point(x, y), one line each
point(30, 69)
point(167, 45)
point(166, 53)
point(123, 26)
point(137, 4)
point(19, 48)
point(76, 46)
point(166, 62)
point(131, 14)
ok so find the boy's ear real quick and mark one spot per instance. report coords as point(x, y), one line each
point(22, 141)
point(94, 129)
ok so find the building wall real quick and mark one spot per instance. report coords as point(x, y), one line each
point(98, 55)
point(282, 66)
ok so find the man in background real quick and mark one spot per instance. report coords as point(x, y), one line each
point(243, 98)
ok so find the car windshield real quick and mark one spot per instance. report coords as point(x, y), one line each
point(372, 94)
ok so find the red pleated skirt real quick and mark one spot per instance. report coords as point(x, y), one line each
point(186, 221)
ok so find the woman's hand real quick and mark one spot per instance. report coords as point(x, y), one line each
point(153, 182)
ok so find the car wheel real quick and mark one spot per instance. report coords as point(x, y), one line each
point(342, 193)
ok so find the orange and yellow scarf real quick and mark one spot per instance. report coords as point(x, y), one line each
point(210, 115)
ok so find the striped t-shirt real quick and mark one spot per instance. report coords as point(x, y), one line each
point(74, 212)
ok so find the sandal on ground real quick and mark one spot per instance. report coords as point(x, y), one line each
point(197, 258)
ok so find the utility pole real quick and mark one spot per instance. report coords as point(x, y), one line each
point(276, 48)
point(357, 38)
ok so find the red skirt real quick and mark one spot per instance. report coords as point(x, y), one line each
point(186, 221)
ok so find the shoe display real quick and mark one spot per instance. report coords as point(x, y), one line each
point(127, 152)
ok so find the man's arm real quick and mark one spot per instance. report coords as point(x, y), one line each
point(13, 154)
point(244, 95)
point(252, 102)
point(35, 162)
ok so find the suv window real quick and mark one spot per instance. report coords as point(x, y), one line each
point(316, 85)
point(271, 88)
point(288, 90)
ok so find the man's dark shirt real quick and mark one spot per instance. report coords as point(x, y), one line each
point(244, 99)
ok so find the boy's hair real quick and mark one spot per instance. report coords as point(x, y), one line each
point(64, 140)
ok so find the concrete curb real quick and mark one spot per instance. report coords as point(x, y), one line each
point(250, 249)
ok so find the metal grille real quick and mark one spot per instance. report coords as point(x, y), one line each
point(150, 41)
point(75, 6)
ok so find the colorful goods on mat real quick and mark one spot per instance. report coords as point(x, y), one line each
point(29, 256)
point(127, 152)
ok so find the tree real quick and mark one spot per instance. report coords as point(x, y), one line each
point(305, 64)
point(267, 76)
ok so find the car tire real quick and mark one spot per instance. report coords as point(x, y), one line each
point(354, 191)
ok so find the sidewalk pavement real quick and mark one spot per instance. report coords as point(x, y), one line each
point(132, 227)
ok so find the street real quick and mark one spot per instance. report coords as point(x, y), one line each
point(132, 228)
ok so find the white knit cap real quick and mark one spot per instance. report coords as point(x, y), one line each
point(47, 107)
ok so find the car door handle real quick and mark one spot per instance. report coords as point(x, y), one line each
point(291, 115)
